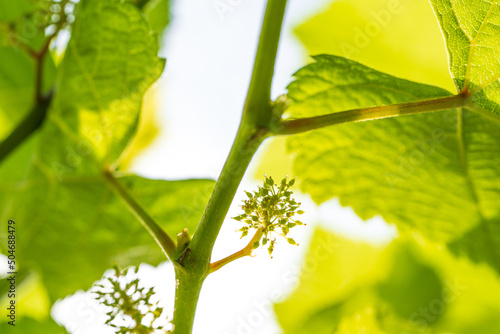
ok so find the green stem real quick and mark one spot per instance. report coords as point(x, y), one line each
point(257, 116)
point(187, 292)
point(194, 266)
point(35, 118)
point(364, 114)
point(257, 106)
point(244, 147)
point(247, 251)
point(166, 243)
point(192, 270)
point(29, 125)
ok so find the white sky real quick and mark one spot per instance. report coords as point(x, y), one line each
point(209, 62)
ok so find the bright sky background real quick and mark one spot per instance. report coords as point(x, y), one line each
point(209, 62)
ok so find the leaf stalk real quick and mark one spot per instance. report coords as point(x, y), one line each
point(42, 102)
point(166, 243)
point(24, 129)
point(300, 125)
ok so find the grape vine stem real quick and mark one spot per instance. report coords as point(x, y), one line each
point(257, 114)
point(259, 121)
point(247, 251)
point(37, 115)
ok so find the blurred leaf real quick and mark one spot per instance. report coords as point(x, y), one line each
point(397, 37)
point(363, 321)
point(30, 22)
point(409, 283)
point(430, 172)
point(394, 296)
point(53, 187)
point(17, 85)
point(12, 10)
point(324, 321)
point(32, 299)
point(333, 270)
point(86, 225)
point(31, 326)
point(469, 301)
point(158, 13)
point(472, 32)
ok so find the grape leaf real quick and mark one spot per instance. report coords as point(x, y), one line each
point(98, 229)
point(330, 270)
point(12, 10)
point(342, 291)
point(333, 290)
point(400, 37)
point(147, 130)
point(32, 326)
point(430, 173)
point(408, 282)
point(32, 299)
point(86, 225)
point(158, 13)
point(53, 186)
point(472, 31)
point(17, 85)
point(109, 63)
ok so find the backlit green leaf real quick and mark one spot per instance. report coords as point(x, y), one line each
point(335, 268)
point(73, 230)
point(71, 225)
point(17, 85)
point(109, 63)
point(28, 325)
point(158, 13)
point(401, 288)
point(430, 172)
point(11, 10)
point(472, 33)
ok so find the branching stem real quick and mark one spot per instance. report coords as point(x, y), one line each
point(39, 57)
point(38, 113)
point(29, 125)
point(257, 116)
point(247, 251)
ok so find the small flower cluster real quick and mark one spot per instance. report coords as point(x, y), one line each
point(272, 210)
point(129, 304)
